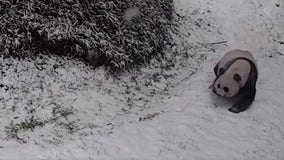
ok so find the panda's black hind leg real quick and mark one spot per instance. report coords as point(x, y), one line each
point(244, 101)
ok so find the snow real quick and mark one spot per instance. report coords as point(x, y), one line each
point(143, 115)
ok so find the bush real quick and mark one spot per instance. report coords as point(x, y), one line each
point(93, 30)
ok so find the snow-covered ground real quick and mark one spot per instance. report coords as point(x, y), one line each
point(54, 108)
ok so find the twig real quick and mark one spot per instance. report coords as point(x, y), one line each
point(214, 43)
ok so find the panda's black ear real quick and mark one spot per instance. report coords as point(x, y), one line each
point(221, 71)
point(216, 69)
point(237, 78)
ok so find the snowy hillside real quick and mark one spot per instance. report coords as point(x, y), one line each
point(62, 109)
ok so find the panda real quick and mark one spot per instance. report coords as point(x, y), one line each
point(236, 76)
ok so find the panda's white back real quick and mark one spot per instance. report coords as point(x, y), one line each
point(235, 54)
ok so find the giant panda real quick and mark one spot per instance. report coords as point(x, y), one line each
point(236, 76)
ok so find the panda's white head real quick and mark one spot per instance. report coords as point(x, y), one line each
point(229, 82)
point(227, 85)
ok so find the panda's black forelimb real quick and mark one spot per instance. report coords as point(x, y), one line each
point(244, 101)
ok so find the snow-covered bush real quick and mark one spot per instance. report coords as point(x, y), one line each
point(92, 30)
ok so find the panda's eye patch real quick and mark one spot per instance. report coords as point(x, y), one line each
point(221, 70)
point(237, 78)
point(226, 89)
point(218, 85)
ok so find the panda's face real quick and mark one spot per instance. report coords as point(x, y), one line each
point(227, 85)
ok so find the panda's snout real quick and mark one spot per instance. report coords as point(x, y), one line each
point(215, 91)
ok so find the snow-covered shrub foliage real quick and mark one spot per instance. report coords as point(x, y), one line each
point(93, 30)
